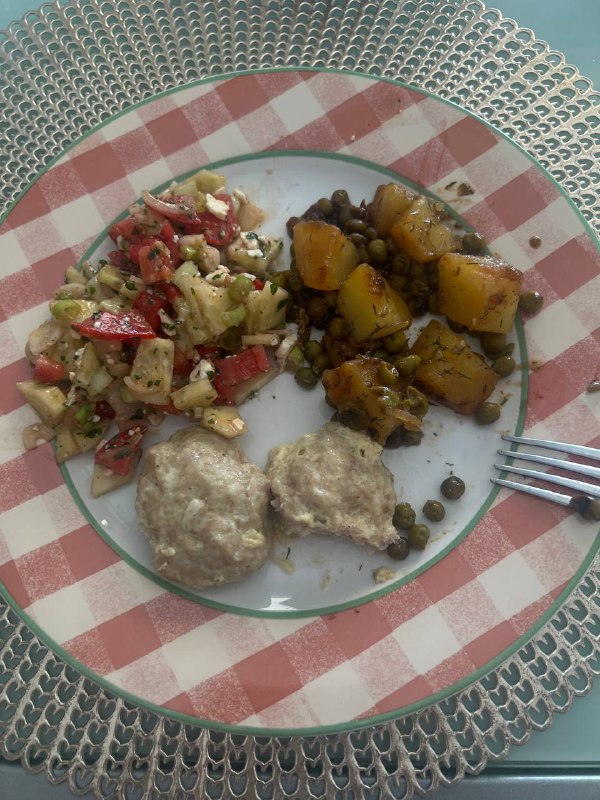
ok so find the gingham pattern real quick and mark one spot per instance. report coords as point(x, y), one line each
point(380, 656)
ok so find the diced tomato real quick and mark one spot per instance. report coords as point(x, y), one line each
point(169, 290)
point(104, 410)
point(120, 453)
point(242, 366)
point(155, 262)
point(210, 351)
point(167, 235)
point(120, 260)
point(148, 304)
point(47, 370)
point(121, 326)
point(218, 232)
point(129, 228)
point(258, 284)
point(181, 364)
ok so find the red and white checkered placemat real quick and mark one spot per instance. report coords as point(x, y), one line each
point(416, 642)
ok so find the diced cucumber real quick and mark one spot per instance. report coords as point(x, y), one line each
point(105, 480)
point(152, 371)
point(90, 374)
point(48, 401)
point(199, 394)
point(224, 420)
point(111, 276)
point(202, 308)
point(66, 444)
point(265, 309)
point(89, 439)
point(209, 182)
point(67, 311)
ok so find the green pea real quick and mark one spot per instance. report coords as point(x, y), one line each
point(400, 264)
point(359, 240)
point(396, 342)
point(317, 309)
point(371, 233)
point(340, 198)
point(487, 413)
point(452, 487)
point(387, 374)
point(344, 215)
point(338, 328)
point(434, 510)
point(294, 360)
point(399, 549)
point(325, 206)
point(388, 397)
point(504, 365)
point(306, 378)
point(353, 417)
point(378, 251)
point(418, 536)
point(493, 344)
point(473, 243)
point(397, 282)
point(312, 349)
point(416, 270)
point(412, 438)
point(355, 226)
point(407, 365)
point(531, 302)
point(404, 516)
point(320, 364)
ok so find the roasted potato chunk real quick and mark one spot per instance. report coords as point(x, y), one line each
point(369, 305)
point(480, 292)
point(450, 372)
point(365, 403)
point(390, 202)
point(324, 255)
point(421, 231)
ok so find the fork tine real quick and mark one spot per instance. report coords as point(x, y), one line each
point(571, 466)
point(546, 494)
point(562, 447)
point(580, 486)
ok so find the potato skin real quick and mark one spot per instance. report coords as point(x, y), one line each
point(390, 202)
point(422, 233)
point(324, 255)
point(370, 306)
point(355, 385)
point(450, 372)
point(480, 292)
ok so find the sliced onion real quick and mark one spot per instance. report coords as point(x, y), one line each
point(410, 421)
point(180, 210)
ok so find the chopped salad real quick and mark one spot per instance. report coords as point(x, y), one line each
point(180, 318)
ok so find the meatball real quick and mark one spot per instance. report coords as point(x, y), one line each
point(204, 508)
point(333, 482)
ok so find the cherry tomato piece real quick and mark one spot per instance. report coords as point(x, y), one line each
point(121, 326)
point(120, 453)
point(47, 370)
point(148, 304)
point(155, 262)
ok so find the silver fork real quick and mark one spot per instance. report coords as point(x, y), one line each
point(585, 503)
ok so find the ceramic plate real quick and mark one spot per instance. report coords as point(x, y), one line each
point(316, 645)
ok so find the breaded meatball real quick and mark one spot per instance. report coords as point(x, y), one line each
point(333, 482)
point(204, 508)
